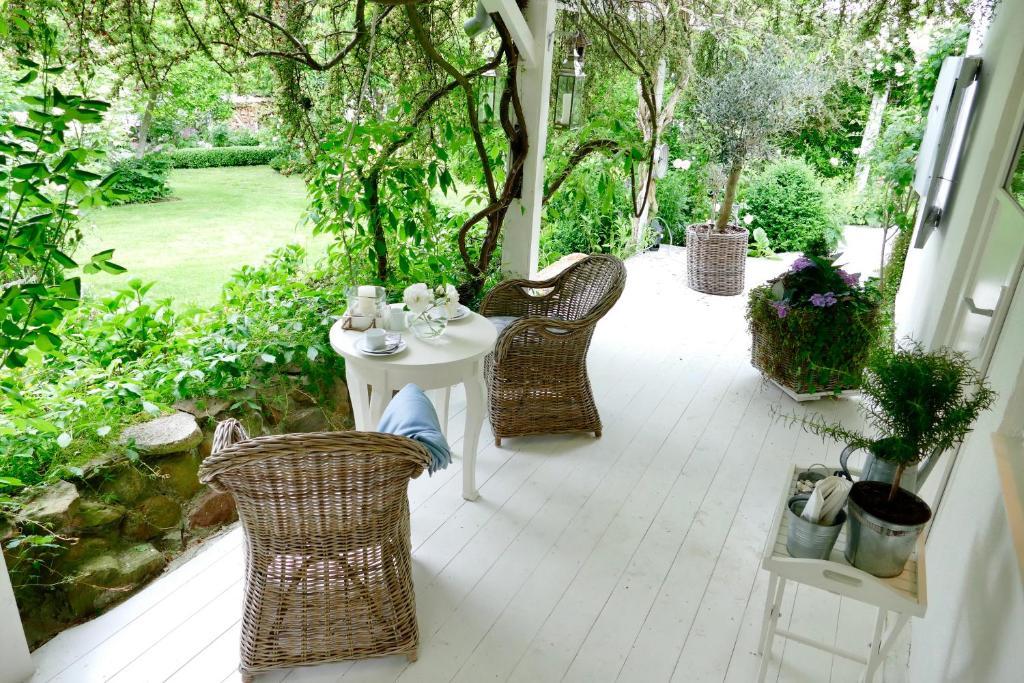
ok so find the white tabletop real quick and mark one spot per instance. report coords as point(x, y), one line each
point(465, 339)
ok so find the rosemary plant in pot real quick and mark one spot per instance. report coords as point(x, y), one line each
point(919, 404)
point(766, 94)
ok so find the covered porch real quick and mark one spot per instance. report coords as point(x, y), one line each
point(634, 557)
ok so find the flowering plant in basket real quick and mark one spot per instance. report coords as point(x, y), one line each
point(814, 326)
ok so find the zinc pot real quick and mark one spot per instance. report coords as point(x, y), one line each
point(881, 535)
point(807, 539)
point(716, 262)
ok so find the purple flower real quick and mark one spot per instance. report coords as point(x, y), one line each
point(801, 263)
point(823, 300)
point(851, 279)
point(781, 309)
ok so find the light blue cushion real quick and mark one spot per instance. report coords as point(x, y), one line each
point(411, 414)
point(500, 322)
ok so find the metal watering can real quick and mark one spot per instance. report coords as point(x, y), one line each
point(876, 469)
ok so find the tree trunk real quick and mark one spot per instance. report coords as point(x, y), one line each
point(380, 245)
point(872, 129)
point(144, 125)
point(730, 198)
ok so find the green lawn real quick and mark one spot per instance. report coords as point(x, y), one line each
point(218, 219)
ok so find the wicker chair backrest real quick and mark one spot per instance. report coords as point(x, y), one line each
point(589, 287)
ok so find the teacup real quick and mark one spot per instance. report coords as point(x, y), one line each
point(376, 339)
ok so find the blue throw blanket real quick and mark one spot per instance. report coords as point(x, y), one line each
point(411, 414)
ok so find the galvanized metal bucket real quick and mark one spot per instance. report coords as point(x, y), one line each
point(807, 539)
point(878, 547)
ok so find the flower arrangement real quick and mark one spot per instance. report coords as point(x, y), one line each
point(431, 308)
point(813, 326)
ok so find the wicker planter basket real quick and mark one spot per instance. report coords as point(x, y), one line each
point(716, 263)
point(788, 359)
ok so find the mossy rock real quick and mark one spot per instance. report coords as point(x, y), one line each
point(94, 517)
point(179, 474)
point(109, 577)
point(125, 484)
point(173, 433)
point(151, 518)
point(52, 505)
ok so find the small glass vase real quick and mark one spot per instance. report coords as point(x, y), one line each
point(431, 323)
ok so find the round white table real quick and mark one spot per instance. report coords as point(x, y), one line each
point(435, 365)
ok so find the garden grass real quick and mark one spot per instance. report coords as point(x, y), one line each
point(217, 220)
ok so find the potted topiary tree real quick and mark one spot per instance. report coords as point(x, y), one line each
point(920, 404)
point(766, 94)
point(813, 328)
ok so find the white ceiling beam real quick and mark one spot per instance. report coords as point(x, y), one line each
point(516, 23)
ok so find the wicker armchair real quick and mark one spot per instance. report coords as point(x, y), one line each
point(536, 377)
point(328, 571)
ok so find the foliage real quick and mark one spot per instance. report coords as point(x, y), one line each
point(209, 157)
point(830, 140)
point(222, 136)
point(760, 245)
point(141, 180)
point(45, 181)
point(816, 325)
point(590, 215)
point(744, 110)
point(127, 356)
point(682, 194)
point(788, 202)
point(917, 402)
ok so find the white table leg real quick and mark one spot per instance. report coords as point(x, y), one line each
point(769, 628)
point(475, 397)
point(441, 399)
point(358, 395)
point(769, 601)
point(380, 396)
point(875, 656)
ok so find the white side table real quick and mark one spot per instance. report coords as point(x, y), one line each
point(904, 595)
point(455, 357)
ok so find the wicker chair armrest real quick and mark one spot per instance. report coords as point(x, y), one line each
point(546, 328)
point(240, 453)
point(511, 298)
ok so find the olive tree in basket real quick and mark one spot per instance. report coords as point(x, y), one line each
point(769, 92)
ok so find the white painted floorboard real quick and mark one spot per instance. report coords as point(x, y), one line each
point(634, 557)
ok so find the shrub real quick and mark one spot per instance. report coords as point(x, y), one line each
point(222, 136)
point(141, 180)
point(787, 200)
point(682, 200)
point(198, 157)
point(126, 357)
point(289, 162)
point(590, 214)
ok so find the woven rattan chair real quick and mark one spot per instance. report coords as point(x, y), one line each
point(328, 556)
point(536, 377)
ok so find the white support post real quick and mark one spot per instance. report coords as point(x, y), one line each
point(522, 222)
point(15, 662)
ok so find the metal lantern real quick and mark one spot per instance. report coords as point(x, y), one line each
point(569, 88)
point(487, 96)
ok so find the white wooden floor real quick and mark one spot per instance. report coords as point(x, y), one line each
point(631, 558)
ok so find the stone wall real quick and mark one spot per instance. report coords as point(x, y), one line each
point(121, 518)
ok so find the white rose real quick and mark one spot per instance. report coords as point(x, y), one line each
point(450, 296)
point(834, 161)
point(748, 219)
point(417, 298)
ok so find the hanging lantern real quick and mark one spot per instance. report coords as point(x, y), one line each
point(488, 92)
point(569, 89)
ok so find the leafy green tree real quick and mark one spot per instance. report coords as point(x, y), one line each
point(44, 182)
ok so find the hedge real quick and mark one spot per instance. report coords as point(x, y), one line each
point(207, 157)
